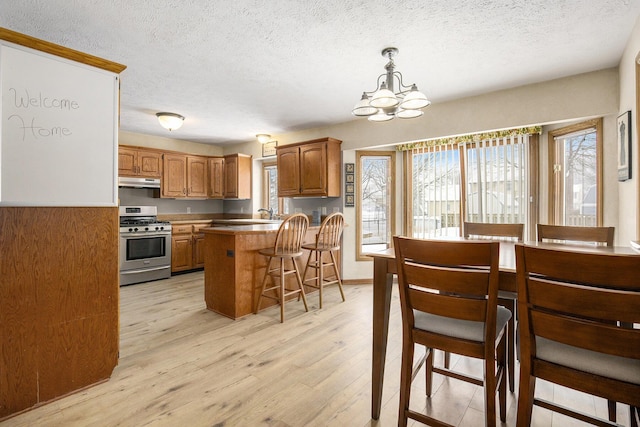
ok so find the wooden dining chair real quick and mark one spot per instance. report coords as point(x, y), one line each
point(598, 236)
point(511, 232)
point(448, 297)
point(493, 231)
point(327, 242)
point(602, 236)
point(287, 247)
point(573, 310)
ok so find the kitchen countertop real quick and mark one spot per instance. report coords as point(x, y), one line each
point(247, 229)
point(246, 221)
point(191, 221)
point(223, 221)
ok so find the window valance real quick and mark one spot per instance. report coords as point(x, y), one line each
point(474, 137)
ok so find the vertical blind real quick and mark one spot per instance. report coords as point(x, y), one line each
point(435, 191)
point(494, 188)
point(496, 180)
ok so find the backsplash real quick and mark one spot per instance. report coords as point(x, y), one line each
point(145, 197)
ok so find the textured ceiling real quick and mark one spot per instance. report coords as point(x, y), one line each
point(242, 67)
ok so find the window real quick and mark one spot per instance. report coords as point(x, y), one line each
point(575, 189)
point(496, 174)
point(435, 181)
point(482, 179)
point(375, 201)
point(270, 199)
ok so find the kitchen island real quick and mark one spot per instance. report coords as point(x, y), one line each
point(234, 269)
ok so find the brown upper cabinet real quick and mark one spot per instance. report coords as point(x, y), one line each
point(237, 176)
point(189, 176)
point(184, 176)
point(310, 168)
point(216, 177)
point(139, 162)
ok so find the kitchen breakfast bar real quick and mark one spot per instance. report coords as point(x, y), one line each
point(234, 269)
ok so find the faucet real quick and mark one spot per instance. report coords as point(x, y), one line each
point(269, 211)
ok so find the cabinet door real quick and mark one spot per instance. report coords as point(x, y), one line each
point(216, 177)
point(181, 252)
point(244, 177)
point(174, 176)
point(196, 176)
point(313, 169)
point(127, 161)
point(149, 164)
point(231, 177)
point(198, 250)
point(288, 171)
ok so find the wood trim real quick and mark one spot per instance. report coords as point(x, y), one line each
point(534, 186)
point(462, 155)
point(407, 194)
point(313, 141)
point(61, 51)
point(155, 150)
point(362, 281)
point(599, 174)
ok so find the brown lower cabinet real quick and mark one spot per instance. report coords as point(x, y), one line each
point(187, 246)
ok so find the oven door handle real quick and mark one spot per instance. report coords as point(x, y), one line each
point(146, 270)
point(125, 236)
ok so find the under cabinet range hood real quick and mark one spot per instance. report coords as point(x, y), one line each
point(132, 182)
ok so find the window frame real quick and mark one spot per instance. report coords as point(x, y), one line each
point(265, 187)
point(392, 197)
point(533, 187)
point(554, 213)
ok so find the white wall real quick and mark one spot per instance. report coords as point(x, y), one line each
point(169, 144)
point(628, 190)
point(582, 96)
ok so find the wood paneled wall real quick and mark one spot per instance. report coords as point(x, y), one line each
point(59, 287)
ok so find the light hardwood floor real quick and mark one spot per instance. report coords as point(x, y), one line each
point(182, 365)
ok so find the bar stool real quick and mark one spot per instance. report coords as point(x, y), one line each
point(327, 240)
point(286, 247)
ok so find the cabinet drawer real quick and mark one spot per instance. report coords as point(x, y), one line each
point(181, 229)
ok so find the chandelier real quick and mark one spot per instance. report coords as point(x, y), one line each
point(384, 103)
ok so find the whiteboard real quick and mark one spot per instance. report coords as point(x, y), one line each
point(59, 131)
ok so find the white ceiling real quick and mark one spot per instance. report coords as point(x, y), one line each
point(235, 68)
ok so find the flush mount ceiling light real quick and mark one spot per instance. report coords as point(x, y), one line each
point(170, 121)
point(384, 103)
point(263, 138)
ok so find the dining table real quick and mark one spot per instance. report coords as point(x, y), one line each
point(384, 269)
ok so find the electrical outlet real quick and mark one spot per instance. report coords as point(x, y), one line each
point(188, 209)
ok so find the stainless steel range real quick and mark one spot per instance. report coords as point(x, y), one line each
point(145, 245)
